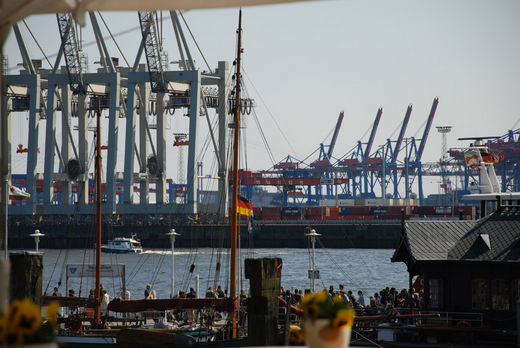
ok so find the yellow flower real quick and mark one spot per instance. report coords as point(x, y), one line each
point(13, 309)
point(344, 318)
point(321, 296)
point(337, 299)
point(312, 310)
point(12, 338)
point(28, 318)
point(296, 334)
point(316, 297)
point(3, 327)
point(52, 312)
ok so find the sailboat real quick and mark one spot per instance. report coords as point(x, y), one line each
point(75, 322)
point(229, 304)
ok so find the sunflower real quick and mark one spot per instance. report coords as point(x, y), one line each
point(3, 327)
point(14, 308)
point(314, 298)
point(296, 334)
point(344, 318)
point(312, 310)
point(52, 312)
point(12, 338)
point(28, 317)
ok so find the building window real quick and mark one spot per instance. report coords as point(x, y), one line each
point(436, 299)
point(500, 294)
point(479, 294)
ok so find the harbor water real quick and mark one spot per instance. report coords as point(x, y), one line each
point(368, 270)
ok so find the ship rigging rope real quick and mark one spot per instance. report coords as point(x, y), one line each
point(358, 333)
point(52, 273)
point(66, 256)
point(137, 268)
point(269, 111)
point(262, 134)
point(338, 265)
point(155, 273)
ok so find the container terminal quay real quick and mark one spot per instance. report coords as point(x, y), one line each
point(354, 197)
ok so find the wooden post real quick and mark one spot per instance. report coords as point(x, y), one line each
point(26, 276)
point(262, 307)
point(4, 285)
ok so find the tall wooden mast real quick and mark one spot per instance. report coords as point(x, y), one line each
point(98, 210)
point(234, 214)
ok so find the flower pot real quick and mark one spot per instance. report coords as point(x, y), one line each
point(320, 334)
point(41, 345)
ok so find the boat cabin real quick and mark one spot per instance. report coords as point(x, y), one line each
point(467, 266)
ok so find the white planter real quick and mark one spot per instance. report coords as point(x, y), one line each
point(41, 345)
point(319, 334)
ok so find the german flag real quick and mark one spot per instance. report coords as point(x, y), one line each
point(244, 207)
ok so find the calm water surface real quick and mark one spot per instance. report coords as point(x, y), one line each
point(367, 269)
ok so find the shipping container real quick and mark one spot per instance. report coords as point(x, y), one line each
point(271, 211)
point(292, 211)
point(378, 210)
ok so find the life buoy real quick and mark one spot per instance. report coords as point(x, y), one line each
point(463, 323)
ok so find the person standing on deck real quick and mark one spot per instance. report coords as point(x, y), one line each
point(125, 293)
point(361, 298)
point(150, 293)
point(105, 300)
point(192, 293)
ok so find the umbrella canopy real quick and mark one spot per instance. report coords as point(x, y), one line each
point(13, 11)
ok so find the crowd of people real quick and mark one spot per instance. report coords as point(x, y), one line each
point(384, 302)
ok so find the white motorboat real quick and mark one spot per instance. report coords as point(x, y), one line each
point(122, 245)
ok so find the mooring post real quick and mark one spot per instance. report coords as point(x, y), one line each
point(4, 285)
point(518, 323)
point(26, 276)
point(262, 307)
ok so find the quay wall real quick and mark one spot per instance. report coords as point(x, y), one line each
point(279, 234)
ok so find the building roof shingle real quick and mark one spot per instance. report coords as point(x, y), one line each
point(494, 238)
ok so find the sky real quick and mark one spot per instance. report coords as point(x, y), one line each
point(305, 62)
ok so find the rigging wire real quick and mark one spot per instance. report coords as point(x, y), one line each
point(269, 111)
point(339, 267)
point(52, 273)
point(262, 134)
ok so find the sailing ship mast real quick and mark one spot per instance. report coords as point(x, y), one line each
point(234, 214)
point(98, 211)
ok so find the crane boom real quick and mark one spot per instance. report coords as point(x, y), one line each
point(335, 135)
point(401, 133)
point(427, 128)
point(152, 51)
point(70, 51)
point(373, 133)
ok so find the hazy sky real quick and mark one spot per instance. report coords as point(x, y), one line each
point(305, 62)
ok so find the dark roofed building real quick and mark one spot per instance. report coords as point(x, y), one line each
point(467, 266)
